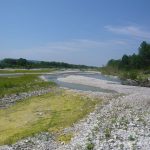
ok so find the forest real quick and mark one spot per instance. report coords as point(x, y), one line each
point(135, 61)
point(29, 64)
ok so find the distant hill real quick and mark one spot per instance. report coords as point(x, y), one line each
point(29, 64)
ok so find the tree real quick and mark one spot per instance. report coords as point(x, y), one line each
point(141, 60)
point(1, 66)
point(22, 62)
point(8, 62)
point(136, 61)
point(113, 63)
point(125, 60)
point(144, 52)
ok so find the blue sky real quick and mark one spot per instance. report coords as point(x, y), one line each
point(86, 32)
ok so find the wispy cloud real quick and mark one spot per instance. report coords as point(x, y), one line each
point(129, 30)
point(73, 46)
point(73, 51)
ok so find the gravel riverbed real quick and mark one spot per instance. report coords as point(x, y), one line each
point(122, 122)
point(7, 101)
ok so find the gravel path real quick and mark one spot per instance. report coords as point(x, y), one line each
point(121, 122)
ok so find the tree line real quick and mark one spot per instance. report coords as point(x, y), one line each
point(28, 64)
point(135, 61)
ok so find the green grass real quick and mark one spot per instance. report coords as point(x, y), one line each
point(24, 83)
point(133, 74)
point(65, 137)
point(7, 71)
point(107, 132)
point(90, 146)
point(109, 71)
point(50, 112)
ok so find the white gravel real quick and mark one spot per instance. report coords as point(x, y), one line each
point(122, 122)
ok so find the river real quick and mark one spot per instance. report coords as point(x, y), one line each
point(55, 77)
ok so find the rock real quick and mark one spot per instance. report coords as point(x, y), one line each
point(130, 82)
point(143, 83)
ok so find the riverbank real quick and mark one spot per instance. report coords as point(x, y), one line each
point(133, 77)
point(122, 121)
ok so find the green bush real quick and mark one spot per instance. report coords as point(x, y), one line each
point(90, 146)
point(107, 132)
point(129, 75)
point(133, 75)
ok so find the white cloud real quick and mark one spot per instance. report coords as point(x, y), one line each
point(72, 46)
point(74, 51)
point(129, 30)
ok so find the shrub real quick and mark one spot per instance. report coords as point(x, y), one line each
point(129, 75)
point(90, 146)
point(107, 132)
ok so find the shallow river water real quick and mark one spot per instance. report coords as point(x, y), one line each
point(54, 77)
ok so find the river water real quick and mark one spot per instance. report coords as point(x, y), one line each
point(54, 77)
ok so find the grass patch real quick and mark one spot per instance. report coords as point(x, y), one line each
point(107, 133)
point(65, 138)
point(90, 145)
point(49, 112)
point(7, 71)
point(24, 83)
point(134, 74)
